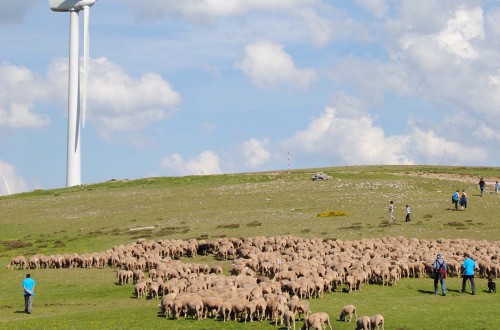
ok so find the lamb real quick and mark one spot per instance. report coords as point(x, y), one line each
point(363, 323)
point(348, 310)
point(376, 321)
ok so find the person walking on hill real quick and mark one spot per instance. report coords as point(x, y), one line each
point(454, 199)
point(463, 200)
point(408, 211)
point(440, 270)
point(391, 212)
point(482, 184)
point(468, 266)
point(29, 293)
point(496, 187)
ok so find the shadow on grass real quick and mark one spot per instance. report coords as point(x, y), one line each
point(426, 291)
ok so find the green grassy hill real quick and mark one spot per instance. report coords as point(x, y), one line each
point(96, 217)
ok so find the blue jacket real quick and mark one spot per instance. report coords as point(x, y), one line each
point(469, 265)
point(29, 284)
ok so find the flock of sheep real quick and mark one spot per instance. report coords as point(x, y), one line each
point(271, 278)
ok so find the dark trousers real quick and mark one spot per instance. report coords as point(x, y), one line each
point(456, 205)
point(28, 303)
point(464, 282)
point(407, 217)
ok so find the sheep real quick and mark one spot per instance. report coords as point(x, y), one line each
point(363, 323)
point(303, 308)
point(316, 321)
point(289, 320)
point(19, 261)
point(348, 310)
point(376, 321)
point(122, 276)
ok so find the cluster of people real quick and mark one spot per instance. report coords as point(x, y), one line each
point(440, 271)
point(459, 198)
point(392, 218)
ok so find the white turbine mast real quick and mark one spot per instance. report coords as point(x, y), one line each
point(76, 92)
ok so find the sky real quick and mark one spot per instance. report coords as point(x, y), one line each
point(201, 87)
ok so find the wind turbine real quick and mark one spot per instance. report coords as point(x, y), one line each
point(76, 114)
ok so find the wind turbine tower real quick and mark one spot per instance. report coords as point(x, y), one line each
point(77, 89)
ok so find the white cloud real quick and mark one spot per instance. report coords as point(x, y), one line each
point(117, 101)
point(206, 163)
point(19, 90)
point(460, 31)
point(335, 139)
point(10, 181)
point(433, 149)
point(349, 141)
point(267, 65)
point(255, 152)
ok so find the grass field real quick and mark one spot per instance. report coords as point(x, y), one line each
point(96, 217)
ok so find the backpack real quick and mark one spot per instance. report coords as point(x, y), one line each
point(454, 197)
point(440, 271)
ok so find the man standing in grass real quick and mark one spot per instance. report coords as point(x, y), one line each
point(408, 211)
point(468, 265)
point(391, 212)
point(29, 292)
point(439, 266)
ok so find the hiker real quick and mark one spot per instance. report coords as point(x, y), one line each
point(468, 266)
point(439, 267)
point(496, 187)
point(482, 184)
point(29, 292)
point(408, 211)
point(463, 201)
point(391, 212)
point(454, 199)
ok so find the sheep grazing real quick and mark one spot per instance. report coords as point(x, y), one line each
point(377, 321)
point(19, 262)
point(348, 310)
point(363, 323)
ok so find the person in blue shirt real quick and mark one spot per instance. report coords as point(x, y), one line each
point(454, 199)
point(29, 292)
point(439, 266)
point(468, 266)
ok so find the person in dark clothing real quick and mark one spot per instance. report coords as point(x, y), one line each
point(482, 184)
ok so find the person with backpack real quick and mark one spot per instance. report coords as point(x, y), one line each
point(440, 270)
point(454, 199)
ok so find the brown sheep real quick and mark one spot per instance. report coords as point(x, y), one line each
point(19, 261)
point(348, 310)
point(363, 323)
point(376, 321)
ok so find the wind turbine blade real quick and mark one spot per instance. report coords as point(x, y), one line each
point(86, 11)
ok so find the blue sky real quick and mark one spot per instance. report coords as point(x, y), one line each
point(228, 86)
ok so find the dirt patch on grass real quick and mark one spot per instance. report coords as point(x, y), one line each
point(16, 244)
point(454, 224)
point(229, 226)
point(254, 224)
point(167, 231)
point(59, 244)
